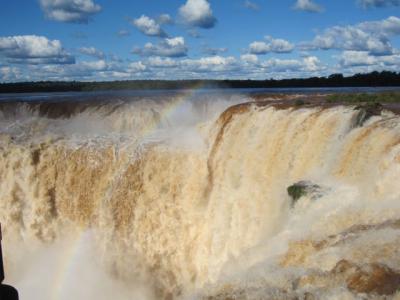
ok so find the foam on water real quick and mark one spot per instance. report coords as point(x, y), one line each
point(188, 199)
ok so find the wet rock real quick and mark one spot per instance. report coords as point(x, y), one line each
point(35, 157)
point(374, 278)
point(365, 112)
point(300, 102)
point(304, 188)
point(371, 278)
point(344, 267)
point(309, 296)
point(299, 252)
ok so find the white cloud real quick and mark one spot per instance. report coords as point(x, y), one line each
point(75, 11)
point(81, 70)
point(210, 64)
point(356, 58)
point(363, 58)
point(159, 62)
point(386, 27)
point(165, 19)
point(378, 3)
point(367, 36)
point(271, 45)
point(34, 49)
point(8, 73)
point(171, 47)
point(249, 58)
point(137, 66)
point(308, 5)
point(91, 51)
point(198, 13)
point(99, 65)
point(156, 67)
point(251, 5)
point(281, 65)
point(307, 64)
point(148, 26)
point(312, 63)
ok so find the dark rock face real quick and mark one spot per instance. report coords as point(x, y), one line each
point(365, 112)
point(375, 278)
point(372, 278)
point(344, 267)
point(304, 188)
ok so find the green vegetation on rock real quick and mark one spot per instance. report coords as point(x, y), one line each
point(356, 98)
point(366, 111)
point(296, 191)
point(300, 102)
point(305, 188)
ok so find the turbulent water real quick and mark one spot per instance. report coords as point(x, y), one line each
point(182, 198)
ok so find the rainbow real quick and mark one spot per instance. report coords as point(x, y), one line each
point(76, 245)
point(173, 106)
point(67, 266)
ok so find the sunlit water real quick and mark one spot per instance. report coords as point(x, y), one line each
point(185, 197)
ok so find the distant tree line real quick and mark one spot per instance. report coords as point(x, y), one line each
point(373, 79)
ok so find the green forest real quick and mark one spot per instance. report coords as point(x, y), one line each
point(373, 79)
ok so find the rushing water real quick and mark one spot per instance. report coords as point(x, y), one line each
point(185, 197)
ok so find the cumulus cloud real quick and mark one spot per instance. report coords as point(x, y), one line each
point(32, 49)
point(205, 67)
point(387, 27)
point(356, 58)
point(159, 62)
point(170, 47)
point(74, 11)
point(363, 58)
point(251, 5)
point(372, 37)
point(165, 19)
point(378, 3)
point(91, 51)
point(349, 38)
point(312, 64)
point(136, 66)
point(308, 5)
point(198, 13)
point(307, 64)
point(282, 65)
point(8, 73)
point(157, 67)
point(81, 71)
point(210, 64)
point(99, 65)
point(249, 58)
point(270, 45)
point(148, 26)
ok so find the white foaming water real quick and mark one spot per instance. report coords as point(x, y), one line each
point(68, 269)
point(172, 199)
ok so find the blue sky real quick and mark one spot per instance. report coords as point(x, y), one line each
point(179, 39)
